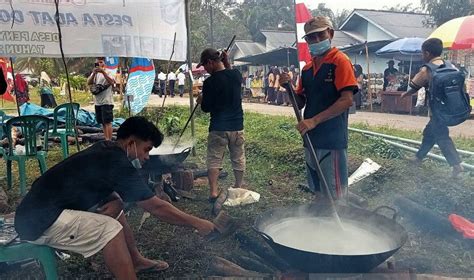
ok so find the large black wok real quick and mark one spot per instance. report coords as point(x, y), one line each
point(313, 262)
point(166, 162)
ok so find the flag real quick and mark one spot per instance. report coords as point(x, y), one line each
point(111, 65)
point(302, 15)
point(140, 83)
point(7, 71)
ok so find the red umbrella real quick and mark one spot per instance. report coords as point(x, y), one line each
point(456, 34)
point(195, 69)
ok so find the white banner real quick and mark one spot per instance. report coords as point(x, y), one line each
point(91, 28)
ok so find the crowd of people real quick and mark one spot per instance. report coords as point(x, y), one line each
point(266, 86)
point(165, 83)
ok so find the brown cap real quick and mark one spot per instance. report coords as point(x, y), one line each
point(317, 24)
point(208, 54)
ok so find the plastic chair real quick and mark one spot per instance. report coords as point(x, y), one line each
point(30, 127)
point(2, 116)
point(69, 111)
point(21, 251)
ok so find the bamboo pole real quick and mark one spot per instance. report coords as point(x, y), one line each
point(369, 90)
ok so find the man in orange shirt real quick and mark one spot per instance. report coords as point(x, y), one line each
point(325, 89)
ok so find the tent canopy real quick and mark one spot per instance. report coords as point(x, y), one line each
point(406, 49)
point(282, 56)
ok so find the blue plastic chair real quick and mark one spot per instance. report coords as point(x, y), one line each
point(22, 251)
point(30, 127)
point(69, 111)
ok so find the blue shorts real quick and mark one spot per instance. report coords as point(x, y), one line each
point(334, 167)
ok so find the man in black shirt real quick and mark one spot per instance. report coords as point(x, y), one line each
point(389, 72)
point(221, 97)
point(59, 209)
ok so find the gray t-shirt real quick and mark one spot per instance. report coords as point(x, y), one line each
point(105, 97)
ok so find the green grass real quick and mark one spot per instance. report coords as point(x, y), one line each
point(274, 153)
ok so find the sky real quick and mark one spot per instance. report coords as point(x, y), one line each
point(336, 5)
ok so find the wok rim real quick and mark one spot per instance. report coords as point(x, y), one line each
point(265, 215)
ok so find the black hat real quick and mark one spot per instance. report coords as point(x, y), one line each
point(208, 54)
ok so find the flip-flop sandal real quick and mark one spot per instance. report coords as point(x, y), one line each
point(160, 266)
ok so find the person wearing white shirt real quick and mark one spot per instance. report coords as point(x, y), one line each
point(171, 82)
point(181, 80)
point(162, 79)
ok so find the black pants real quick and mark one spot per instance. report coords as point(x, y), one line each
point(162, 88)
point(436, 133)
point(48, 101)
point(171, 85)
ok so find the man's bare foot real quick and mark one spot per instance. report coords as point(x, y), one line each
point(457, 169)
point(147, 265)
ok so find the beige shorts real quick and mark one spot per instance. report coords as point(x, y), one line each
point(80, 232)
point(218, 141)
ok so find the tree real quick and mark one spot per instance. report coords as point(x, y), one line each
point(322, 10)
point(340, 17)
point(54, 66)
point(336, 18)
point(445, 10)
point(258, 15)
point(408, 8)
point(224, 26)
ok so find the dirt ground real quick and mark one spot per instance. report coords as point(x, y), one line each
point(399, 121)
point(190, 256)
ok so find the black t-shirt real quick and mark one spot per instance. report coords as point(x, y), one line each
point(221, 97)
point(78, 183)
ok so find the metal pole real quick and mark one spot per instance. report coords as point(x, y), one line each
point(14, 87)
point(312, 149)
point(187, 4)
point(410, 141)
point(288, 57)
point(430, 155)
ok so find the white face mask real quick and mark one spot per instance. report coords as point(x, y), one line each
point(135, 162)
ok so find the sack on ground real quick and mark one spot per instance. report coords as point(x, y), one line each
point(449, 101)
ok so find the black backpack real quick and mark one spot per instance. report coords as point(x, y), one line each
point(448, 99)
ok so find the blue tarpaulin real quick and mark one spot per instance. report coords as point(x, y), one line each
point(84, 118)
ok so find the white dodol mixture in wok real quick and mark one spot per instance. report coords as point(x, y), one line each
point(166, 149)
point(325, 236)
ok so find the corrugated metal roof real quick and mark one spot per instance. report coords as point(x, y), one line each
point(399, 24)
point(278, 39)
point(249, 48)
point(342, 38)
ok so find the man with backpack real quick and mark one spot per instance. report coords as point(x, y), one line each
point(447, 100)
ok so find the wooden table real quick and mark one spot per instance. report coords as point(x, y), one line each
point(392, 103)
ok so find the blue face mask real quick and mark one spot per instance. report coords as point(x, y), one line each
point(135, 162)
point(320, 48)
